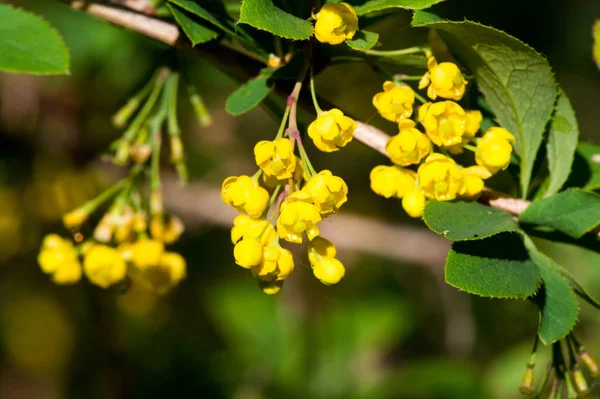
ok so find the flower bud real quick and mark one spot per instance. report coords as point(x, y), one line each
point(73, 220)
point(331, 130)
point(335, 23)
point(414, 203)
point(589, 362)
point(270, 287)
point(395, 102)
point(580, 383)
point(248, 252)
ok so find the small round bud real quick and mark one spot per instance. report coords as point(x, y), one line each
point(248, 252)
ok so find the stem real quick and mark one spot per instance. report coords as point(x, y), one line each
point(392, 53)
point(279, 48)
point(200, 109)
point(292, 103)
point(402, 77)
point(313, 93)
point(148, 106)
point(272, 200)
point(122, 116)
point(155, 134)
point(419, 97)
point(172, 122)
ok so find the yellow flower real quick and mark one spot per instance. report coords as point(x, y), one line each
point(444, 80)
point(58, 257)
point(270, 287)
point(146, 252)
point(244, 226)
point(299, 175)
point(162, 277)
point(444, 122)
point(321, 254)
point(329, 270)
point(335, 23)
point(414, 203)
point(395, 102)
point(277, 264)
point(474, 119)
point(474, 177)
point(245, 195)
point(389, 181)
point(166, 228)
point(297, 217)
point(248, 252)
point(328, 192)
point(331, 130)
point(276, 158)
point(408, 147)
point(440, 178)
point(73, 220)
point(104, 266)
point(494, 149)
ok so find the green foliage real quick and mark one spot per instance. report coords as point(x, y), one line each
point(562, 143)
point(378, 5)
point(28, 44)
point(250, 94)
point(218, 19)
point(573, 212)
point(503, 67)
point(262, 14)
point(556, 300)
point(196, 32)
point(497, 267)
point(459, 221)
point(589, 153)
point(363, 40)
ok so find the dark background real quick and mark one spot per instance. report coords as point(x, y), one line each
point(391, 329)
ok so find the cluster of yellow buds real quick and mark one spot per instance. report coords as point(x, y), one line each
point(128, 243)
point(424, 168)
point(286, 199)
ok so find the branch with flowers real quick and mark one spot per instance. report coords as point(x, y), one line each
point(465, 121)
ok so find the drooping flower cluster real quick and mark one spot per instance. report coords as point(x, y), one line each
point(424, 169)
point(293, 196)
point(128, 243)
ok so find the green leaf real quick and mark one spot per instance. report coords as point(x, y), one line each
point(459, 221)
point(515, 80)
point(573, 212)
point(28, 44)
point(250, 94)
point(557, 301)
point(363, 40)
point(409, 60)
point(562, 143)
point(378, 5)
point(497, 267)
point(538, 257)
point(262, 14)
point(596, 50)
point(196, 32)
point(196, 9)
point(590, 154)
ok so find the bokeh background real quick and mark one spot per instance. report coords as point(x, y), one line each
point(391, 329)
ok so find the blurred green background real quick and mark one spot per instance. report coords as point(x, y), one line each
point(391, 329)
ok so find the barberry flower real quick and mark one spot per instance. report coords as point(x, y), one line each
point(104, 266)
point(331, 130)
point(444, 122)
point(74, 219)
point(277, 264)
point(494, 149)
point(474, 176)
point(163, 276)
point(444, 80)
point(440, 179)
point(414, 203)
point(58, 257)
point(244, 226)
point(276, 158)
point(335, 23)
point(299, 175)
point(167, 229)
point(248, 252)
point(321, 255)
point(408, 147)
point(296, 217)
point(389, 181)
point(474, 119)
point(328, 192)
point(394, 102)
point(245, 195)
point(146, 252)
point(270, 286)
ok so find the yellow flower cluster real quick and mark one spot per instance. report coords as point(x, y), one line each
point(297, 196)
point(134, 256)
point(447, 127)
